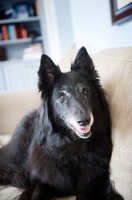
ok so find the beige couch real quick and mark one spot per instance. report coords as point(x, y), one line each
point(115, 69)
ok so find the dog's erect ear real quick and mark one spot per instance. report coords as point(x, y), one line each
point(83, 62)
point(47, 73)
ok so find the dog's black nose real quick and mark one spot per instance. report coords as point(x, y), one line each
point(83, 122)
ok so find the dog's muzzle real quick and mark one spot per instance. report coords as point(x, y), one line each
point(82, 131)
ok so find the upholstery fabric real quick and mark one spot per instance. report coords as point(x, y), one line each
point(115, 69)
point(14, 105)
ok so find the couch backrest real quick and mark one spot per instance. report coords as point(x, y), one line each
point(14, 105)
point(115, 69)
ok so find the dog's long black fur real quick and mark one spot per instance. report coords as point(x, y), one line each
point(64, 147)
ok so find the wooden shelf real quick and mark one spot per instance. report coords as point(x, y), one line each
point(15, 20)
point(18, 41)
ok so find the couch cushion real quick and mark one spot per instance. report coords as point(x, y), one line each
point(115, 69)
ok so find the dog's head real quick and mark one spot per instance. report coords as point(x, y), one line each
point(72, 96)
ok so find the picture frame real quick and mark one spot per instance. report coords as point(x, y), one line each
point(120, 15)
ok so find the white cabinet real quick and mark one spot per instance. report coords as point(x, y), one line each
point(20, 74)
point(2, 81)
point(16, 75)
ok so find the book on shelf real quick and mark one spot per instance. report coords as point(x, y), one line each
point(18, 35)
point(4, 32)
point(9, 32)
point(1, 35)
point(12, 32)
point(22, 31)
point(36, 8)
point(33, 52)
point(3, 56)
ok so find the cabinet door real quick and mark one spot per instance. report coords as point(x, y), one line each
point(31, 70)
point(2, 82)
point(20, 74)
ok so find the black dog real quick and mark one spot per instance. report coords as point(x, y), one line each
point(64, 148)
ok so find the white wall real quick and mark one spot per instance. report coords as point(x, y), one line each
point(58, 26)
point(92, 27)
point(63, 13)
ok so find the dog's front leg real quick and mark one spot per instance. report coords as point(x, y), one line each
point(39, 192)
point(98, 196)
point(42, 192)
point(106, 193)
point(86, 195)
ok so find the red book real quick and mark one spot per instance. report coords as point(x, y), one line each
point(20, 30)
point(17, 31)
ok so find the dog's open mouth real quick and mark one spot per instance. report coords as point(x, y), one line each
point(82, 132)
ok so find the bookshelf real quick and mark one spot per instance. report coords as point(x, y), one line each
point(14, 21)
point(16, 73)
point(31, 24)
point(19, 41)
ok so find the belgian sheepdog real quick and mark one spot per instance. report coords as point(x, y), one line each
point(64, 147)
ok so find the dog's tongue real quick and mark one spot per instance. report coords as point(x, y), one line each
point(84, 130)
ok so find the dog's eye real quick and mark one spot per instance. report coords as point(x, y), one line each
point(62, 96)
point(85, 91)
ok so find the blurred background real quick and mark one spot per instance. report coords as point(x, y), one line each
point(33, 27)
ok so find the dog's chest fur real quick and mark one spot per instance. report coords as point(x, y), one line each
point(66, 167)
